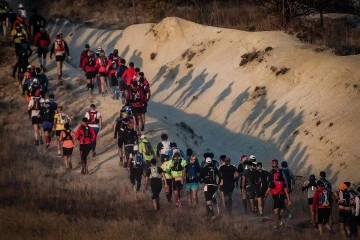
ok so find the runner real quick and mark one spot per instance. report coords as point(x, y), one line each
point(208, 175)
point(119, 131)
point(311, 187)
point(37, 22)
point(261, 184)
point(68, 143)
point(21, 66)
point(192, 178)
point(345, 211)
point(42, 42)
point(19, 37)
point(22, 10)
point(162, 149)
point(146, 149)
point(154, 175)
point(209, 155)
point(176, 168)
point(83, 55)
point(130, 139)
point(276, 169)
point(120, 71)
point(95, 122)
point(145, 87)
point(47, 114)
point(228, 173)
point(4, 9)
point(356, 212)
point(136, 163)
point(43, 80)
point(241, 169)
point(128, 75)
point(277, 188)
point(168, 180)
point(86, 135)
point(60, 49)
point(328, 186)
point(101, 65)
point(28, 76)
point(60, 119)
point(173, 148)
point(35, 106)
point(321, 204)
point(89, 67)
point(248, 184)
point(136, 100)
point(114, 83)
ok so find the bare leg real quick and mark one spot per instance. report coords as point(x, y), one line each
point(320, 227)
point(36, 132)
point(260, 205)
point(194, 197)
point(312, 215)
point(189, 198)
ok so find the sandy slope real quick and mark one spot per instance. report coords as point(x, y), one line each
point(308, 116)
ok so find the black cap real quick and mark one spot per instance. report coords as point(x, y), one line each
point(87, 46)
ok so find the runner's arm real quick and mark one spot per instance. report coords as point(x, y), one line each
point(52, 49)
point(287, 195)
point(15, 68)
point(67, 51)
point(315, 200)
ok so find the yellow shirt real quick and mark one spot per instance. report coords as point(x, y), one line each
point(19, 35)
point(61, 119)
point(164, 166)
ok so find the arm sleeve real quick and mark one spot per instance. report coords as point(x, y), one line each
point(15, 68)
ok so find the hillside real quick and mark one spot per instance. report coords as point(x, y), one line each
point(292, 102)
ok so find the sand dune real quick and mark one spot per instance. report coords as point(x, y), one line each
point(293, 102)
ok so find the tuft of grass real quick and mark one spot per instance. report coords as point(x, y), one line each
point(153, 56)
point(258, 92)
point(249, 57)
point(279, 71)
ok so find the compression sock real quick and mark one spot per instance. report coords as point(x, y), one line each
point(245, 204)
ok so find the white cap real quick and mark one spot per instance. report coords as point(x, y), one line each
point(142, 136)
point(208, 160)
point(252, 157)
point(21, 5)
point(136, 148)
point(42, 100)
point(175, 151)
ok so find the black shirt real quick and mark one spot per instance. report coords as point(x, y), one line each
point(227, 173)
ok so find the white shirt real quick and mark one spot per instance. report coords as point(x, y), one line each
point(35, 113)
point(87, 115)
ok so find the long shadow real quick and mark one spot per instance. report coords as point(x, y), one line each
point(159, 74)
point(191, 89)
point(136, 59)
point(168, 80)
point(98, 166)
point(203, 89)
point(220, 98)
point(238, 101)
point(268, 110)
point(125, 51)
point(255, 112)
point(181, 83)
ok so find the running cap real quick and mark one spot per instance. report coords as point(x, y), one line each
point(92, 105)
point(208, 160)
point(136, 147)
point(142, 136)
point(342, 187)
point(21, 6)
point(252, 157)
point(312, 177)
point(243, 156)
point(87, 46)
point(42, 100)
point(99, 49)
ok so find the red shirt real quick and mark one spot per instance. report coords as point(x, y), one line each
point(42, 39)
point(316, 199)
point(128, 75)
point(83, 55)
point(133, 93)
point(85, 65)
point(101, 68)
point(80, 135)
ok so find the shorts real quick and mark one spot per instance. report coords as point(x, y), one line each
point(310, 201)
point(344, 216)
point(3, 16)
point(122, 86)
point(144, 110)
point(192, 186)
point(260, 191)
point(36, 120)
point(137, 111)
point(58, 132)
point(128, 150)
point(209, 193)
point(156, 186)
point(96, 130)
point(177, 185)
point(47, 126)
point(121, 141)
point(103, 74)
point(278, 201)
point(60, 58)
point(42, 51)
point(67, 151)
point(323, 215)
point(90, 75)
point(250, 191)
point(227, 188)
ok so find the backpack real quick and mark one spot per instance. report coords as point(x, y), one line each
point(135, 95)
point(91, 61)
point(48, 113)
point(192, 171)
point(93, 117)
point(154, 173)
point(86, 130)
point(279, 187)
point(138, 160)
point(63, 118)
point(327, 184)
point(60, 46)
point(67, 136)
point(19, 33)
point(324, 199)
point(36, 105)
point(277, 174)
point(148, 148)
point(347, 198)
point(177, 167)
